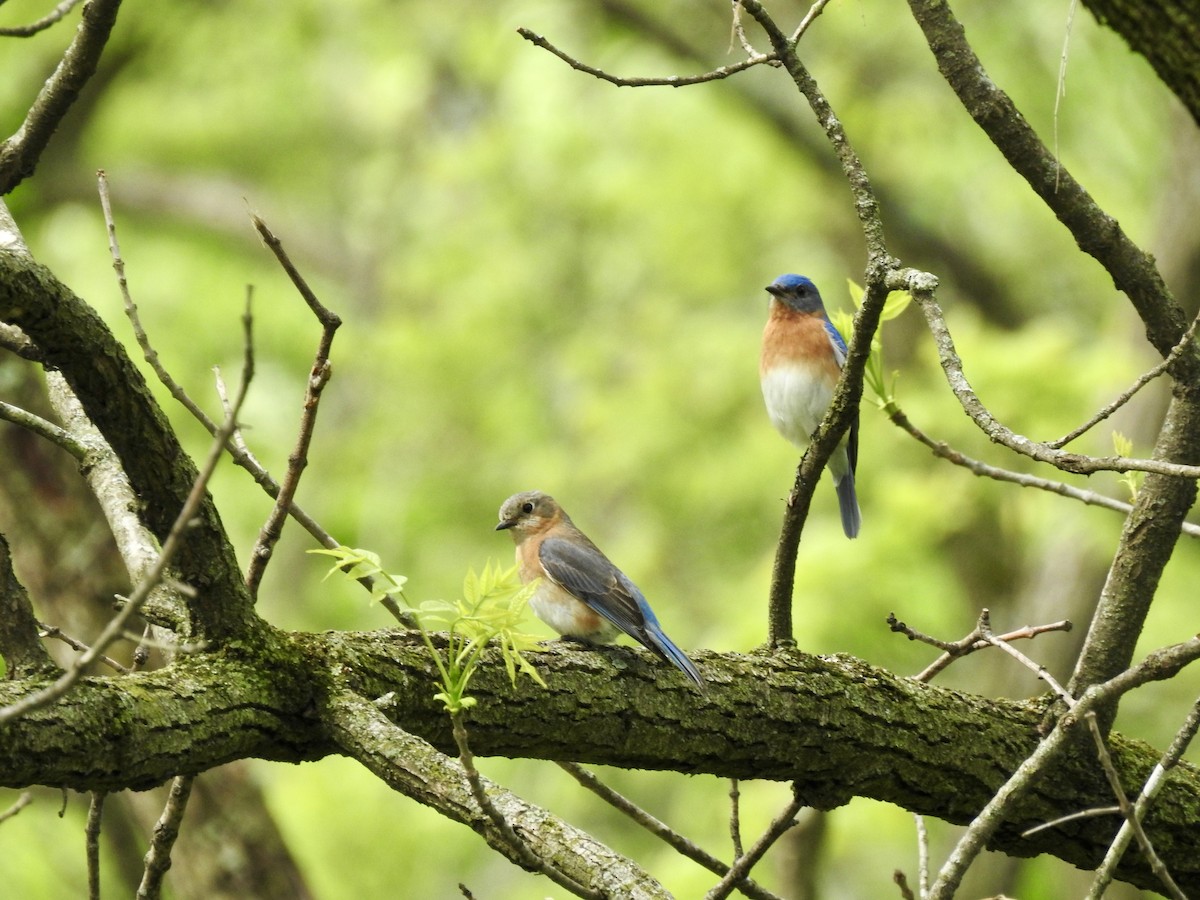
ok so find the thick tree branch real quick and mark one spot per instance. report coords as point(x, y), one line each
point(1097, 234)
point(836, 727)
point(116, 399)
point(1166, 33)
point(21, 648)
point(414, 768)
point(19, 154)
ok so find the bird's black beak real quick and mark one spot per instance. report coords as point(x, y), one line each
point(774, 289)
point(507, 524)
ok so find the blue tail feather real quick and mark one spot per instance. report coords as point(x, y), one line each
point(661, 644)
point(848, 503)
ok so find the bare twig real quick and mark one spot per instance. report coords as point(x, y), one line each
point(298, 459)
point(815, 10)
point(922, 854)
point(92, 842)
point(235, 445)
point(51, 18)
point(1127, 810)
point(1094, 812)
point(1128, 395)
point(31, 422)
point(1078, 463)
point(982, 469)
point(669, 81)
point(901, 880)
point(743, 864)
point(985, 631)
point(735, 818)
point(967, 645)
point(1187, 731)
point(12, 338)
point(131, 312)
point(23, 801)
point(663, 831)
point(53, 631)
point(737, 31)
point(166, 830)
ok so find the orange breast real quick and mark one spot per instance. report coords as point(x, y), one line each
point(792, 337)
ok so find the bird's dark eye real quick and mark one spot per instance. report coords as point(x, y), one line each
point(526, 507)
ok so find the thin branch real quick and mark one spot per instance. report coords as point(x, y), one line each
point(922, 854)
point(298, 459)
point(23, 801)
point(669, 81)
point(1093, 813)
point(19, 154)
point(35, 424)
point(737, 31)
point(735, 818)
point(743, 864)
point(166, 830)
point(53, 631)
point(131, 312)
point(1078, 463)
point(236, 446)
point(1126, 396)
point(1161, 664)
point(1098, 234)
point(984, 470)
point(116, 626)
point(985, 631)
point(811, 16)
point(13, 338)
point(1187, 731)
point(881, 276)
point(52, 18)
point(1127, 810)
point(663, 831)
point(967, 645)
point(901, 881)
point(416, 769)
point(92, 842)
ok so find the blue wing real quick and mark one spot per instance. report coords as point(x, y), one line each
point(847, 499)
point(839, 344)
point(580, 568)
point(586, 573)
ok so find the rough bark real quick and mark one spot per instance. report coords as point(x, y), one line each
point(836, 726)
point(1166, 33)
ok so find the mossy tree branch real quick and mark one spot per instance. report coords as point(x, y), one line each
point(836, 727)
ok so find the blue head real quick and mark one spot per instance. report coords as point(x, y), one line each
point(797, 292)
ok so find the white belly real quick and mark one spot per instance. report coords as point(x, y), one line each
point(797, 397)
point(568, 616)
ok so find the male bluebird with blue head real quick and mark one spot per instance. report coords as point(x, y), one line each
point(801, 361)
point(581, 594)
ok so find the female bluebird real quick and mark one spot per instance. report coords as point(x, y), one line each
point(582, 595)
point(801, 361)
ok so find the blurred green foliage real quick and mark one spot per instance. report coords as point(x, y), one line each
point(551, 283)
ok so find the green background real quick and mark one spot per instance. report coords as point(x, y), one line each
point(548, 282)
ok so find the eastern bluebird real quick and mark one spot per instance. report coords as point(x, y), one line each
point(802, 358)
point(582, 595)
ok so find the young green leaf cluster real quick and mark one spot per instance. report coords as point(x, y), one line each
point(489, 610)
